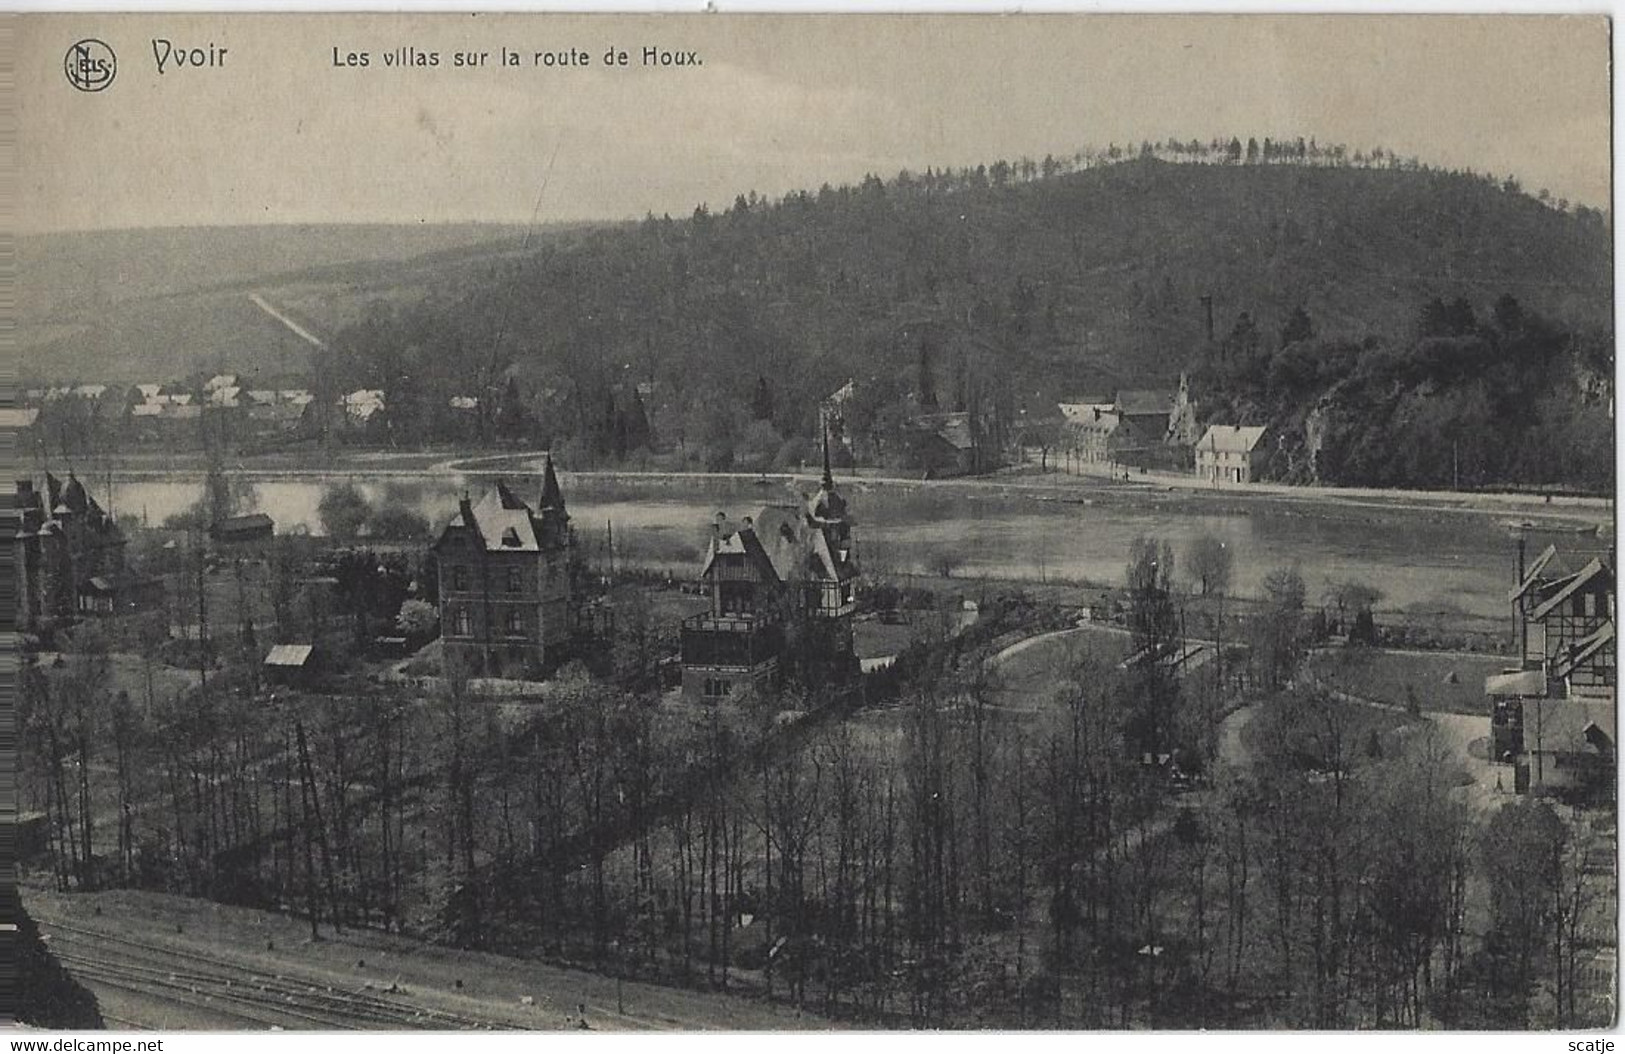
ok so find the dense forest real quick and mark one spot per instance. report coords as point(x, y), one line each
point(1002, 289)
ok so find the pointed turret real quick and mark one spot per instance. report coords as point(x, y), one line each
point(553, 520)
point(828, 506)
point(552, 497)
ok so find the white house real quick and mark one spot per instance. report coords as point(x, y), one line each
point(1231, 453)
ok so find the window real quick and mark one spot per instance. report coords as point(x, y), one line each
point(717, 688)
point(516, 579)
point(461, 624)
point(516, 623)
point(1590, 605)
point(459, 578)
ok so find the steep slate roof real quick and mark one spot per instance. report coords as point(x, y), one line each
point(785, 543)
point(741, 542)
point(503, 522)
point(1237, 439)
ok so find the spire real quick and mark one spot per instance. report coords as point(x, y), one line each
point(829, 481)
point(552, 496)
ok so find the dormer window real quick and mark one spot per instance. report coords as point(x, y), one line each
point(510, 538)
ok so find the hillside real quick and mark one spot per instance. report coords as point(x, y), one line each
point(130, 305)
point(1031, 290)
point(1000, 289)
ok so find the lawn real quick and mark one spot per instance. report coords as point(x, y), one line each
point(1449, 682)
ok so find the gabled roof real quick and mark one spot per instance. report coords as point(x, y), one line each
point(14, 419)
point(1586, 574)
point(502, 522)
point(796, 550)
point(1232, 438)
point(1531, 574)
point(1145, 401)
point(954, 428)
point(1583, 649)
point(1087, 410)
point(745, 543)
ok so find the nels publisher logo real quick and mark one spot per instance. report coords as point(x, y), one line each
point(90, 65)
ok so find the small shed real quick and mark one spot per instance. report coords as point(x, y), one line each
point(242, 530)
point(290, 664)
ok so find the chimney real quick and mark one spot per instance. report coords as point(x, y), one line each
point(1523, 543)
point(750, 524)
point(718, 523)
point(1207, 317)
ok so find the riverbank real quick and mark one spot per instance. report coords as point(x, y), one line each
point(1582, 514)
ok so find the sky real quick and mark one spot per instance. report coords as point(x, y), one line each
point(277, 133)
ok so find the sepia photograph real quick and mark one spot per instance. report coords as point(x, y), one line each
point(792, 522)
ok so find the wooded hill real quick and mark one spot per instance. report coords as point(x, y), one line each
point(1001, 288)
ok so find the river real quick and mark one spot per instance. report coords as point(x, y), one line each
point(1422, 559)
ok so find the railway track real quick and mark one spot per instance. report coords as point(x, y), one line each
point(264, 998)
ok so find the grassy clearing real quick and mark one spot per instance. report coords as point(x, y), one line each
point(1446, 682)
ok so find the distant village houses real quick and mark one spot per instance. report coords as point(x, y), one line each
point(1147, 428)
